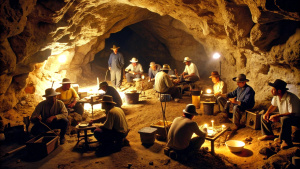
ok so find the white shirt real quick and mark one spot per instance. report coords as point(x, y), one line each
point(162, 82)
point(289, 103)
point(192, 68)
point(137, 69)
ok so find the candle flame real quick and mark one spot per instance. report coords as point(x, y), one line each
point(208, 91)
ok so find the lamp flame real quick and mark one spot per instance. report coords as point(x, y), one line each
point(208, 91)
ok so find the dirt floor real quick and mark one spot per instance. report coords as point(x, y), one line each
point(143, 114)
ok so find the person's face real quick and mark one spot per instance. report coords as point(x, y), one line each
point(134, 63)
point(66, 86)
point(153, 67)
point(104, 88)
point(51, 99)
point(241, 84)
point(215, 79)
point(187, 63)
point(115, 51)
point(274, 91)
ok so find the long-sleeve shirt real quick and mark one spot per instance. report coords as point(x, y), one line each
point(111, 91)
point(137, 69)
point(162, 82)
point(181, 132)
point(152, 73)
point(46, 110)
point(116, 61)
point(245, 95)
point(192, 68)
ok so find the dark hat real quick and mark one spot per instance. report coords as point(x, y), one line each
point(165, 67)
point(107, 99)
point(102, 84)
point(240, 78)
point(114, 47)
point(190, 109)
point(214, 74)
point(279, 85)
point(50, 92)
point(66, 81)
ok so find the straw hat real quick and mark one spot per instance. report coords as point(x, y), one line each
point(279, 85)
point(214, 74)
point(66, 81)
point(240, 78)
point(187, 59)
point(190, 109)
point(134, 60)
point(107, 99)
point(152, 64)
point(50, 92)
point(165, 67)
point(114, 47)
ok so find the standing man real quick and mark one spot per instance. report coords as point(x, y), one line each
point(153, 70)
point(180, 139)
point(69, 96)
point(114, 129)
point(219, 88)
point(190, 72)
point(115, 65)
point(242, 99)
point(164, 84)
point(288, 105)
point(53, 113)
point(111, 91)
point(134, 70)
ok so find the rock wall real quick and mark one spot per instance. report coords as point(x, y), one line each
point(259, 38)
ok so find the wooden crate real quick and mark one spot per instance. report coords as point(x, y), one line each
point(161, 131)
point(253, 120)
point(42, 145)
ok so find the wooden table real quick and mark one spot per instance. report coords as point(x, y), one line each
point(92, 103)
point(85, 135)
point(213, 138)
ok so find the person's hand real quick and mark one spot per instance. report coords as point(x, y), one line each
point(71, 105)
point(274, 118)
point(50, 119)
point(109, 68)
point(91, 122)
point(266, 117)
point(232, 100)
point(38, 118)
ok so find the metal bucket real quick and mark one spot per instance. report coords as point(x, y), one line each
point(132, 98)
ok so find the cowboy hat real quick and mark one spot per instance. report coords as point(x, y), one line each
point(240, 78)
point(214, 74)
point(66, 81)
point(50, 92)
point(165, 67)
point(152, 64)
point(133, 60)
point(102, 84)
point(107, 99)
point(279, 85)
point(190, 109)
point(187, 59)
point(114, 47)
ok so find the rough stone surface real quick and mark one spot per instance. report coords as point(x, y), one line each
point(258, 38)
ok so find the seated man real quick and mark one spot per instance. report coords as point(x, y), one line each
point(242, 99)
point(114, 129)
point(180, 141)
point(153, 70)
point(134, 70)
point(111, 91)
point(164, 85)
point(190, 72)
point(219, 88)
point(69, 96)
point(51, 112)
point(289, 114)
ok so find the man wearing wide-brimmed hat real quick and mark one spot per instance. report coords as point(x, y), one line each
point(164, 84)
point(114, 129)
point(288, 105)
point(180, 141)
point(242, 99)
point(115, 65)
point(69, 96)
point(153, 70)
point(111, 91)
point(219, 88)
point(191, 71)
point(134, 70)
point(53, 113)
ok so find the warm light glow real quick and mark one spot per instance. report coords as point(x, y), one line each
point(208, 91)
point(143, 77)
point(88, 107)
point(122, 95)
point(216, 55)
point(205, 125)
point(98, 81)
point(62, 58)
point(223, 127)
point(212, 124)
